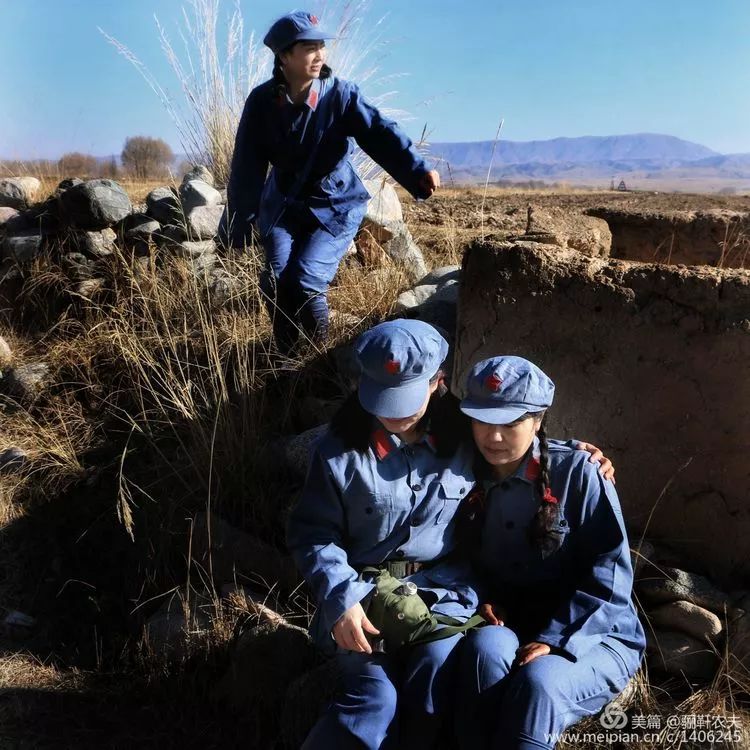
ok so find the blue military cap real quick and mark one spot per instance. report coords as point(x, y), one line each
point(294, 27)
point(397, 359)
point(502, 389)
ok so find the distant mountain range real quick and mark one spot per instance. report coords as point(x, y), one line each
point(643, 159)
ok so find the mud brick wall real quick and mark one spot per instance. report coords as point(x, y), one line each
point(715, 237)
point(651, 362)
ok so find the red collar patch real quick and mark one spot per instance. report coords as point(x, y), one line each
point(533, 469)
point(312, 100)
point(381, 443)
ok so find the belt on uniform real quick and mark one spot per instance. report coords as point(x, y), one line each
point(402, 568)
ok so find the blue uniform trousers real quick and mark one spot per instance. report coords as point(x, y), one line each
point(302, 258)
point(391, 701)
point(526, 708)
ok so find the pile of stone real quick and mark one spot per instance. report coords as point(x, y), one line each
point(433, 298)
point(384, 234)
point(691, 624)
point(86, 221)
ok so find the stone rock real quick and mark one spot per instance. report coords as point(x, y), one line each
point(170, 236)
point(684, 586)
point(77, 266)
point(163, 205)
point(439, 276)
point(6, 354)
point(194, 193)
point(140, 231)
point(265, 660)
point(199, 172)
point(414, 297)
point(169, 628)
point(89, 288)
point(306, 698)
point(45, 217)
point(12, 460)
point(7, 215)
point(28, 381)
point(234, 553)
point(405, 251)
point(384, 216)
point(680, 654)
point(343, 321)
point(203, 222)
point(18, 192)
point(95, 204)
point(555, 226)
point(99, 244)
point(437, 308)
point(190, 249)
point(17, 624)
point(688, 618)
point(23, 247)
point(66, 184)
point(296, 451)
point(204, 264)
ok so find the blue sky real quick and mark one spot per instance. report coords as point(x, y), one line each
point(548, 67)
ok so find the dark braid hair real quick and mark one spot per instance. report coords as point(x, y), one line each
point(547, 528)
point(280, 84)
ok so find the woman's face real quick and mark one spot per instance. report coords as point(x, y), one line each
point(405, 424)
point(503, 444)
point(304, 60)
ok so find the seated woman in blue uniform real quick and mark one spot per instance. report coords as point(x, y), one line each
point(303, 122)
point(383, 489)
point(553, 553)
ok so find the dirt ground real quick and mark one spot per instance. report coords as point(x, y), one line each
point(452, 218)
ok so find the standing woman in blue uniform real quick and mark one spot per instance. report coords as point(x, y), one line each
point(303, 122)
point(553, 552)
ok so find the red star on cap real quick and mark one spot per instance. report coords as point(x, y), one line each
point(314, 20)
point(493, 383)
point(392, 366)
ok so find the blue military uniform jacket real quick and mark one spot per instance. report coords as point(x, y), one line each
point(275, 131)
point(394, 502)
point(580, 595)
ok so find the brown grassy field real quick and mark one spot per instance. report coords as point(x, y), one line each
point(162, 404)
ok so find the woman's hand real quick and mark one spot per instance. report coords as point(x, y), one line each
point(349, 630)
point(607, 469)
point(430, 182)
point(494, 614)
point(529, 651)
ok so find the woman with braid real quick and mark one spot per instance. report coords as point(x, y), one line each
point(384, 488)
point(550, 544)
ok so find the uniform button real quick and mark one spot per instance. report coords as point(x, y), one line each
point(368, 510)
point(400, 553)
point(414, 522)
point(462, 491)
point(505, 485)
point(417, 488)
point(509, 524)
point(516, 565)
